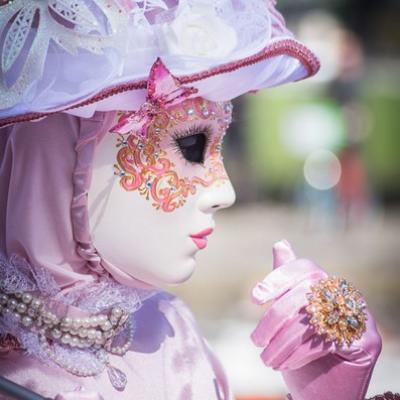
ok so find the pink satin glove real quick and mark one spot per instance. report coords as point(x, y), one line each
point(79, 395)
point(313, 368)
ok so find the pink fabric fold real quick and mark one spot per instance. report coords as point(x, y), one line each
point(90, 132)
point(49, 162)
point(36, 165)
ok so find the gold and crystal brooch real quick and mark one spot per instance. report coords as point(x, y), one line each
point(337, 310)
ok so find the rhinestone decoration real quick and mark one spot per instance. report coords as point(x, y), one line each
point(117, 378)
point(336, 310)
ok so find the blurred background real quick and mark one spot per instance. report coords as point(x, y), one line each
point(317, 163)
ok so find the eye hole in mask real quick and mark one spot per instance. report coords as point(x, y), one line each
point(192, 145)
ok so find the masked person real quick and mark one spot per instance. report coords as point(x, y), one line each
point(111, 172)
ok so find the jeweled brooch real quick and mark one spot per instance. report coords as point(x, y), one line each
point(337, 310)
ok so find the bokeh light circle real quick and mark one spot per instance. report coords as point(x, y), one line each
point(310, 127)
point(322, 169)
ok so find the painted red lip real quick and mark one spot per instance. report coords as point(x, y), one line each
point(200, 238)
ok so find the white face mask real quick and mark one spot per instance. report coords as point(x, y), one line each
point(152, 201)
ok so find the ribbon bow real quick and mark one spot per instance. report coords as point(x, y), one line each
point(163, 90)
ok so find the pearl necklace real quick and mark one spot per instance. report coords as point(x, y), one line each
point(94, 333)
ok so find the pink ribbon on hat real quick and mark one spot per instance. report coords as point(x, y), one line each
point(163, 90)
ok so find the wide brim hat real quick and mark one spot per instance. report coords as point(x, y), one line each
point(84, 56)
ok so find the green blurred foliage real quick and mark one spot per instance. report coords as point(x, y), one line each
point(382, 145)
point(274, 168)
point(279, 172)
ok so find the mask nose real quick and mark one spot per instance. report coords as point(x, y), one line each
point(219, 195)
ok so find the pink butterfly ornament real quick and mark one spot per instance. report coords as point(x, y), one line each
point(163, 90)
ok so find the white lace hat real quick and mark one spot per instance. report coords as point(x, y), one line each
point(82, 56)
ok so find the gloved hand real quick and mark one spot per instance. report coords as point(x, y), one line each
point(312, 367)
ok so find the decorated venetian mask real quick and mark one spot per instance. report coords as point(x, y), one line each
point(193, 131)
point(153, 197)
